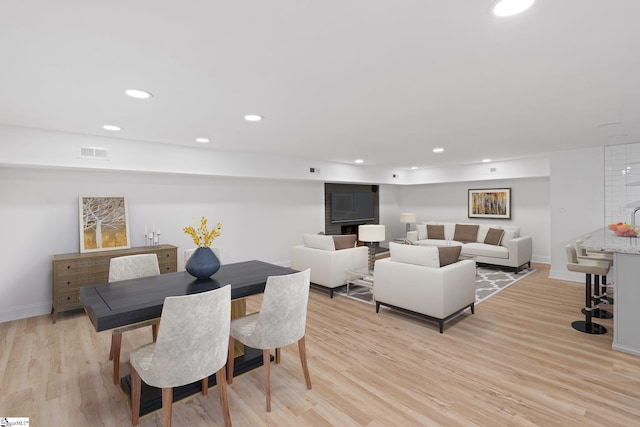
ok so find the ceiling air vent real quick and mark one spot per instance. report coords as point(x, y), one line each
point(94, 153)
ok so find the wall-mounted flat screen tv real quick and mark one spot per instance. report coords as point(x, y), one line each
point(352, 206)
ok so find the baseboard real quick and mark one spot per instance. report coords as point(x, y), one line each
point(625, 349)
point(566, 275)
point(24, 312)
point(541, 259)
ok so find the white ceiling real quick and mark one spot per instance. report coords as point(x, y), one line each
point(385, 81)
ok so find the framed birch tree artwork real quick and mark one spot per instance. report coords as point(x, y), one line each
point(104, 223)
point(490, 203)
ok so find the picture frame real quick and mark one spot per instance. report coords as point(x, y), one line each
point(489, 203)
point(104, 223)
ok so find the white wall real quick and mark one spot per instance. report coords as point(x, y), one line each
point(577, 203)
point(261, 219)
point(390, 213)
point(41, 178)
point(448, 202)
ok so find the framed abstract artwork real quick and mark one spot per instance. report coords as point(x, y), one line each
point(104, 223)
point(490, 203)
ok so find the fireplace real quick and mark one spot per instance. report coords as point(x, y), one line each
point(350, 228)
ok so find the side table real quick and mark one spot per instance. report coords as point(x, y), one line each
point(361, 277)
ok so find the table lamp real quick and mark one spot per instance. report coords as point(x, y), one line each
point(408, 218)
point(371, 234)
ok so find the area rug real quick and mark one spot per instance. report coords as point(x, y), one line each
point(489, 281)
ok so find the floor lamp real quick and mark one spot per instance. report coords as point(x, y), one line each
point(408, 218)
point(371, 234)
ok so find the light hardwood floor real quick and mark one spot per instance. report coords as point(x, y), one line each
point(516, 362)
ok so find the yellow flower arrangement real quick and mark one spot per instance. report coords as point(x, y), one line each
point(202, 237)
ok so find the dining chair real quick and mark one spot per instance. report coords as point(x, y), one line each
point(189, 252)
point(126, 268)
point(281, 321)
point(191, 346)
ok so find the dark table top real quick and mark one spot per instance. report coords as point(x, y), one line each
point(117, 304)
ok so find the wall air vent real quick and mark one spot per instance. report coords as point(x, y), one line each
point(493, 169)
point(97, 153)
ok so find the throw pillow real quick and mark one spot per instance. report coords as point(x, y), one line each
point(344, 241)
point(466, 233)
point(449, 254)
point(415, 254)
point(407, 242)
point(435, 232)
point(422, 231)
point(317, 241)
point(494, 236)
point(508, 235)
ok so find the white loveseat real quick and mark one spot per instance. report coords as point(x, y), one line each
point(329, 258)
point(512, 249)
point(412, 279)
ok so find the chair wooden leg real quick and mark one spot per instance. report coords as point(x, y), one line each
point(266, 361)
point(222, 394)
point(303, 359)
point(135, 396)
point(116, 343)
point(167, 406)
point(111, 348)
point(230, 361)
point(278, 355)
point(154, 331)
point(204, 385)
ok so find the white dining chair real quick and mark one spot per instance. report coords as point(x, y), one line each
point(191, 346)
point(126, 268)
point(281, 321)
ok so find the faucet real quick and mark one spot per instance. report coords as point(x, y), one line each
point(633, 216)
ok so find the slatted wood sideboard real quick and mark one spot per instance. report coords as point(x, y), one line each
point(72, 271)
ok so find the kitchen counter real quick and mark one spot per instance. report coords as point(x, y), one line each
point(604, 240)
point(626, 284)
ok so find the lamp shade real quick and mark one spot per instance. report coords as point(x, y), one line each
point(371, 233)
point(408, 217)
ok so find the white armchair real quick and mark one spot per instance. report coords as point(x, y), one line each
point(437, 293)
point(328, 265)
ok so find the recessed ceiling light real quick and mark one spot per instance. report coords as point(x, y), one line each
point(438, 150)
point(486, 160)
point(138, 94)
point(203, 140)
point(112, 128)
point(359, 161)
point(253, 118)
point(511, 7)
point(414, 167)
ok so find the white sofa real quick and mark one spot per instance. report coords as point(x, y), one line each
point(411, 279)
point(512, 251)
point(328, 263)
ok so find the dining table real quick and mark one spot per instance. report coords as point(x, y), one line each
point(127, 302)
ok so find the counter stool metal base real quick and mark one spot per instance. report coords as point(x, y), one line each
point(588, 327)
point(599, 313)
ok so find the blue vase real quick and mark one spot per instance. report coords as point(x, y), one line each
point(203, 263)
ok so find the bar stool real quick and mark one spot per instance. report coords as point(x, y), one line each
point(588, 267)
point(599, 289)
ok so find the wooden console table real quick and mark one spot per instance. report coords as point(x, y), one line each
point(73, 271)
